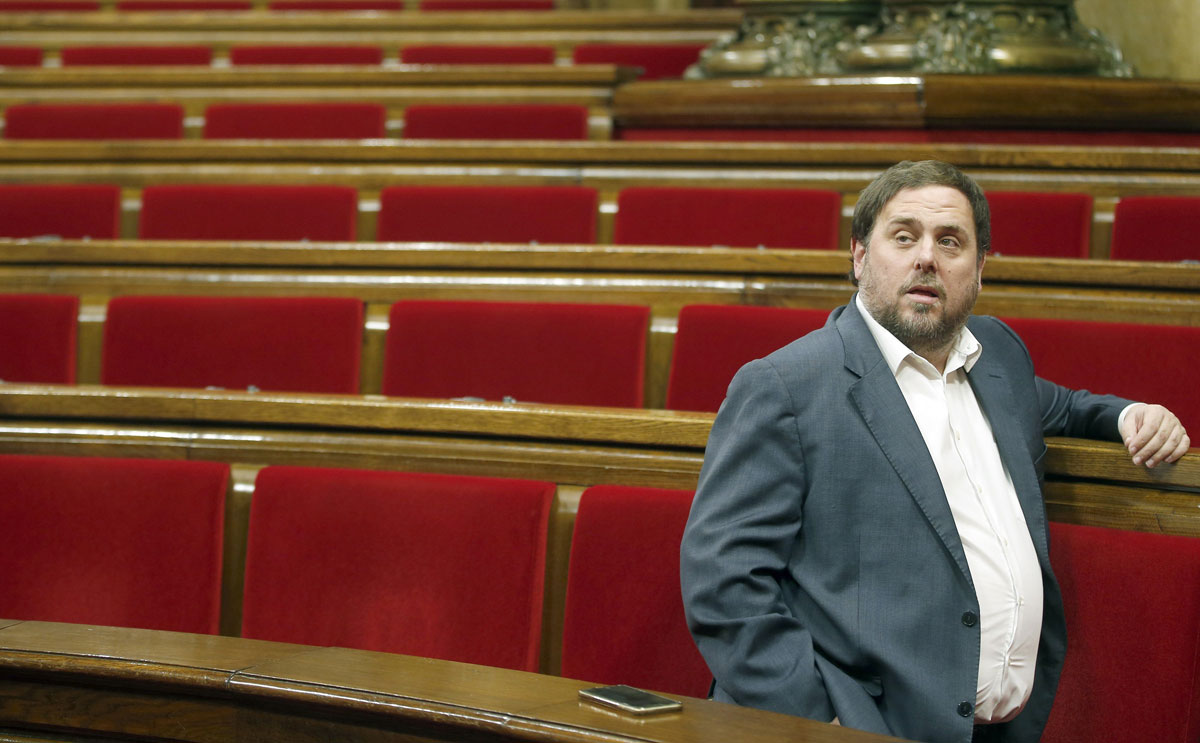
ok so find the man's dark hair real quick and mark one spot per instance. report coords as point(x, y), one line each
point(907, 175)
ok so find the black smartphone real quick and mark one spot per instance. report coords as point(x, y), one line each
point(628, 699)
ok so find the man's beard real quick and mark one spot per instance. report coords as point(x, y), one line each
point(924, 332)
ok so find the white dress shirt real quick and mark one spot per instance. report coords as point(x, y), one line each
point(991, 525)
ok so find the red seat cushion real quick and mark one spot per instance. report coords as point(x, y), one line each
point(184, 4)
point(573, 354)
point(251, 212)
point(487, 4)
point(477, 54)
point(54, 6)
point(65, 211)
point(93, 121)
point(506, 214)
point(532, 121)
point(713, 341)
point(37, 337)
point(291, 344)
point(1052, 225)
point(1156, 228)
point(624, 621)
point(336, 5)
point(295, 121)
point(440, 566)
point(656, 60)
point(731, 217)
point(305, 55)
point(136, 55)
point(122, 542)
point(21, 56)
point(1132, 603)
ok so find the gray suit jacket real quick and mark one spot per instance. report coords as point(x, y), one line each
point(821, 568)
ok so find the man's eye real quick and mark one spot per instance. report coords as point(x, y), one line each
point(949, 242)
point(904, 239)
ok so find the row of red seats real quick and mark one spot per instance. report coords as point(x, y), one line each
point(584, 354)
point(57, 6)
point(452, 567)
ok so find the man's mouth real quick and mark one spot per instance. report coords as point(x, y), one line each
point(923, 294)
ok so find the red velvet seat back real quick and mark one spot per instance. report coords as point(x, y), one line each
point(439, 566)
point(290, 344)
point(624, 620)
point(55, 6)
point(477, 54)
point(67, 211)
point(21, 56)
point(249, 212)
point(295, 121)
point(37, 337)
point(157, 5)
point(1113, 358)
point(713, 341)
point(122, 542)
point(336, 5)
point(487, 4)
point(1156, 228)
point(136, 55)
point(656, 60)
point(1054, 225)
point(501, 121)
point(505, 214)
point(93, 121)
point(732, 217)
point(305, 55)
point(1132, 604)
point(573, 354)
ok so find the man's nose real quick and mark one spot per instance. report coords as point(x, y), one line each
point(925, 255)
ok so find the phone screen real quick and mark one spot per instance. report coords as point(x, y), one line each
point(629, 699)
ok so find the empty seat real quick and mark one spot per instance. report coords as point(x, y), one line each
point(624, 621)
point(37, 337)
point(656, 60)
point(295, 121)
point(731, 217)
point(533, 121)
point(136, 55)
point(1049, 225)
point(439, 566)
point(21, 56)
point(512, 214)
point(305, 55)
point(1132, 604)
point(93, 121)
point(1112, 358)
point(477, 54)
point(69, 211)
point(336, 5)
point(121, 542)
point(48, 6)
point(574, 354)
point(248, 212)
point(289, 344)
point(1156, 228)
point(713, 341)
point(487, 4)
point(184, 4)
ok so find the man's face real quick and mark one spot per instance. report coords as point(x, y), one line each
point(921, 276)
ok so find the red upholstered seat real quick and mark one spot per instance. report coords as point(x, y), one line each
point(477, 54)
point(487, 4)
point(74, 56)
point(121, 542)
point(21, 56)
point(295, 121)
point(37, 337)
point(713, 341)
point(507, 214)
point(93, 121)
point(291, 344)
point(439, 566)
point(1132, 604)
point(624, 621)
point(572, 354)
point(1156, 228)
point(732, 217)
point(49, 6)
point(70, 211)
point(248, 212)
point(1112, 358)
point(305, 55)
point(656, 60)
point(336, 5)
point(1052, 225)
point(184, 4)
point(502, 121)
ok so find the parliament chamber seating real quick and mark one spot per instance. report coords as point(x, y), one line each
point(1056, 225)
point(1132, 603)
point(476, 54)
point(335, 5)
point(295, 121)
point(305, 55)
point(71, 211)
point(453, 5)
point(93, 121)
point(440, 566)
point(75, 56)
point(1156, 228)
point(502, 214)
point(269, 343)
point(55, 6)
point(123, 542)
point(38, 337)
point(248, 212)
point(496, 121)
point(545, 352)
point(624, 621)
point(184, 5)
point(656, 61)
point(21, 56)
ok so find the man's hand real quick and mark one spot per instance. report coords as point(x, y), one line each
point(1153, 434)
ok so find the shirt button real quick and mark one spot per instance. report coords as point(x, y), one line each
point(969, 618)
point(966, 709)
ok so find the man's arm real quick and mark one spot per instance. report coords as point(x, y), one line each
point(1153, 434)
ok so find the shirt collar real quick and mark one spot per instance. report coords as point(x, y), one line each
point(966, 351)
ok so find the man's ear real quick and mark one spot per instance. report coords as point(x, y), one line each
point(858, 254)
point(979, 278)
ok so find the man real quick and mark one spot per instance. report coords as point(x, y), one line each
point(868, 542)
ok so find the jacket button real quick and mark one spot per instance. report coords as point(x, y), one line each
point(966, 709)
point(969, 618)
